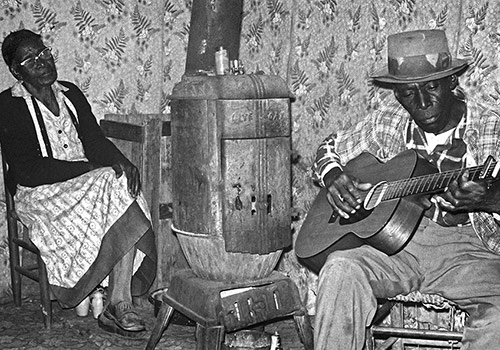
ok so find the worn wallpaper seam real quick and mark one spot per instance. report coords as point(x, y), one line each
point(292, 43)
point(459, 27)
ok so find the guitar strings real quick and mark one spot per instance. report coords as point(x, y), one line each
point(420, 184)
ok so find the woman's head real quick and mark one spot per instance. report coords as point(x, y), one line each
point(29, 59)
point(14, 40)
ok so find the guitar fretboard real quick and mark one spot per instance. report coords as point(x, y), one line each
point(433, 182)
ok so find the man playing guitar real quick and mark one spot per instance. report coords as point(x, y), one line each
point(454, 249)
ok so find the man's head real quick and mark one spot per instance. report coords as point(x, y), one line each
point(431, 104)
point(423, 75)
point(28, 58)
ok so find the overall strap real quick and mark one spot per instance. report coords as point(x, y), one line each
point(41, 131)
point(72, 113)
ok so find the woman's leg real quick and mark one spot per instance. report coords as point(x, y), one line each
point(119, 315)
point(120, 279)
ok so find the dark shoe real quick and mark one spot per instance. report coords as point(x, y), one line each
point(121, 319)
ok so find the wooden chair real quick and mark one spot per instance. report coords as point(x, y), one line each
point(139, 137)
point(17, 235)
point(145, 140)
point(398, 333)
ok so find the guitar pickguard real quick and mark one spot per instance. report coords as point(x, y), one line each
point(359, 216)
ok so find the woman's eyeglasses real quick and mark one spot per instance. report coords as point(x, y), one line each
point(31, 62)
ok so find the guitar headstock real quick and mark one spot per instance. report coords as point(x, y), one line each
point(490, 169)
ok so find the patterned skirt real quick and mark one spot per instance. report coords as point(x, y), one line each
point(83, 226)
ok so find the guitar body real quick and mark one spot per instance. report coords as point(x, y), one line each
point(387, 227)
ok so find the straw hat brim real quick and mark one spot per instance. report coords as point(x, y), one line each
point(383, 75)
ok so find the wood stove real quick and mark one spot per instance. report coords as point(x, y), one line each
point(231, 189)
point(231, 206)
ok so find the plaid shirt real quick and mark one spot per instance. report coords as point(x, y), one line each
point(383, 133)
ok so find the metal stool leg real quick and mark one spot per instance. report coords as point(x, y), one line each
point(304, 328)
point(369, 340)
point(161, 323)
point(209, 338)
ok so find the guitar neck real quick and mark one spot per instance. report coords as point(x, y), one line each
point(435, 182)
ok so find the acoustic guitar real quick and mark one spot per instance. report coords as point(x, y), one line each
point(390, 211)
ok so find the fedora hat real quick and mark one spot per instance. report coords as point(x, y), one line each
point(418, 56)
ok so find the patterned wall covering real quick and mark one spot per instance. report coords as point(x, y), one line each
point(126, 55)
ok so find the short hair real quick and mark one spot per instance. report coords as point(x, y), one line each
point(12, 42)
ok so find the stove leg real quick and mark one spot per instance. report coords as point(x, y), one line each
point(210, 338)
point(304, 328)
point(161, 323)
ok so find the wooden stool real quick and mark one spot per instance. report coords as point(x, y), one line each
point(398, 334)
point(218, 307)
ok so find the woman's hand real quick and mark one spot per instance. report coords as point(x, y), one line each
point(132, 174)
point(344, 192)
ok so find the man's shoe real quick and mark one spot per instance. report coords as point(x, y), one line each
point(121, 319)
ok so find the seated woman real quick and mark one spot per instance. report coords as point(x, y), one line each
point(87, 219)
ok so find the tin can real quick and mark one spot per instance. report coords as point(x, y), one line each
point(97, 303)
point(276, 341)
point(221, 61)
point(82, 309)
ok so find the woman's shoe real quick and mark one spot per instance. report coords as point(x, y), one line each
point(121, 319)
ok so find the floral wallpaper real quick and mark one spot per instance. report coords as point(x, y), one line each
point(126, 55)
point(326, 50)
